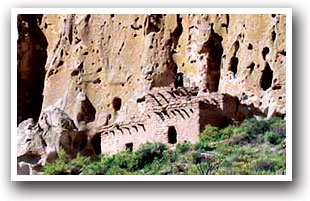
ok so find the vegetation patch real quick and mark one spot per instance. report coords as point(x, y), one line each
point(253, 148)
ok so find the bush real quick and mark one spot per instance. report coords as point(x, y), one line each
point(79, 163)
point(203, 146)
point(228, 132)
point(272, 137)
point(210, 133)
point(279, 126)
point(254, 127)
point(183, 147)
point(95, 168)
point(236, 150)
point(123, 160)
point(149, 151)
point(60, 166)
point(208, 168)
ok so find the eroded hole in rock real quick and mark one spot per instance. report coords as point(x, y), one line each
point(31, 57)
point(117, 103)
point(236, 46)
point(233, 65)
point(266, 79)
point(179, 80)
point(251, 67)
point(87, 18)
point(153, 23)
point(129, 146)
point(99, 70)
point(265, 52)
point(214, 50)
point(97, 81)
point(140, 100)
point(96, 143)
point(283, 52)
point(172, 135)
point(276, 87)
point(87, 112)
point(273, 36)
point(250, 47)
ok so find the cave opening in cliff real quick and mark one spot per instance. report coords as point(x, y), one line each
point(96, 143)
point(214, 50)
point(172, 135)
point(179, 80)
point(117, 103)
point(87, 113)
point(31, 59)
point(233, 65)
point(266, 79)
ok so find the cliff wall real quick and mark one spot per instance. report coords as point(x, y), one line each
point(116, 59)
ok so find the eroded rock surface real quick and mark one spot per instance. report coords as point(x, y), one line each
point(125, 56)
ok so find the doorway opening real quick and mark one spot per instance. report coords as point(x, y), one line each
point(172, 135)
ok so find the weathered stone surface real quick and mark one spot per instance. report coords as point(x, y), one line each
point(31, 58)
point(39, 143)
point(125, 56)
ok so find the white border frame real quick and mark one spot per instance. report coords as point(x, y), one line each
point(289, 114)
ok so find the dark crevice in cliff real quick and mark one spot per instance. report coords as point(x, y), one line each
point(117, 104)
point(233, 65)
point(175, 35)
point(31, 56)
point(87, 113)
point(153, 23)
point(266, 79)
point(96, 143)
point(214, 50)
point(169, 76)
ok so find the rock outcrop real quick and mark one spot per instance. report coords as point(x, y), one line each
point(99, 68)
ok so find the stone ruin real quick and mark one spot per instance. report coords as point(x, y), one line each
point(171, 116)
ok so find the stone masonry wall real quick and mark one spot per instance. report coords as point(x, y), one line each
point(179, 108)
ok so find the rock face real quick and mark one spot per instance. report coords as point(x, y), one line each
point(31, 58)
point(125, 56)
point(99, 68)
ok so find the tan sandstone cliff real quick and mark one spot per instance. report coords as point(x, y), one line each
point(97, 67)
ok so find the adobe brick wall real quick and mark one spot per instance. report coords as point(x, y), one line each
point(154, 129)
point(180, 108)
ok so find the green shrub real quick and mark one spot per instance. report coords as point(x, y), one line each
point(279, 126)
point(272, 137)
point(149, 151)
point(60, 166)
point(183, 147)
point(236, 150)
point(207, 168)
point(95, 168)
point(203, 146)
point(254, 127)
point(210, 133)
point(121, 163)
point(228, 132)
point(78, 164)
